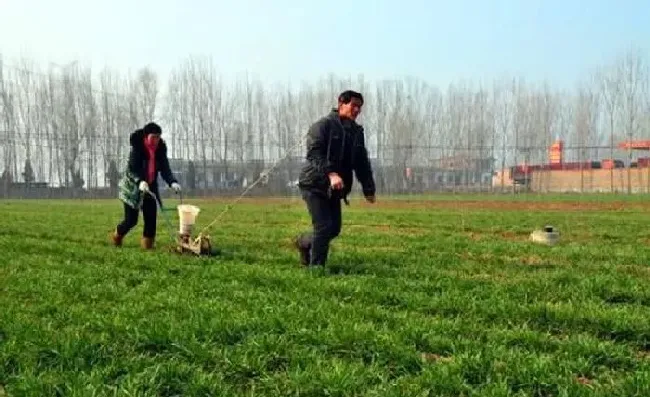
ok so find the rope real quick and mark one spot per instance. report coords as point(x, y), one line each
point(263, 175)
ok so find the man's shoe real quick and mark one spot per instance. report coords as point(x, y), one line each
point(305, 256)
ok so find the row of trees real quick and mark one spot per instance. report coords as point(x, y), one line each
point(66, 125)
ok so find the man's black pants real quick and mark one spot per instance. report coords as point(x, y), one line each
point(149, 213)
point(326, 220)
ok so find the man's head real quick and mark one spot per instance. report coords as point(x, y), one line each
point(350, 104)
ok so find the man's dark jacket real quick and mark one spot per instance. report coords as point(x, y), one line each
point(335, 145)
point(139, 157)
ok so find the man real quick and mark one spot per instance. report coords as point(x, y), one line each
point(335, 148)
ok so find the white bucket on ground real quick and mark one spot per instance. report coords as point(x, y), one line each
point(187, 214)
point(548, 236)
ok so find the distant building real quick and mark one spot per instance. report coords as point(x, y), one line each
point(586, 175)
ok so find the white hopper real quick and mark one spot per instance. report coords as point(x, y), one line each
point(187, 214)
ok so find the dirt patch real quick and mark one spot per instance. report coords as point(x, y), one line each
point(529, 260)
point(497, 277)
point(470, 255)
point(583, 380)
point(510, 235)
point(373, 249)
point(435, 358)
point(492, 276)
point(290, 245)
point(504, 205)
point(460, 204)
point(503, 234)
point(475, 236)
point(642, 271)
point(390, 229)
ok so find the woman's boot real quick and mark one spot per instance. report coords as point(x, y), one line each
point(146, 243)
point(117, 239)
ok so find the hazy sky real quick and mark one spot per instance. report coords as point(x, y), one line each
point(439, 41)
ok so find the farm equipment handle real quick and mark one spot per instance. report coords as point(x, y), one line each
point(162, 211)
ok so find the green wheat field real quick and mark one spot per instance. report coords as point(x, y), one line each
point(423, 296)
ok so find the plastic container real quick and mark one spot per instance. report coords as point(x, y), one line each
point(187, 214)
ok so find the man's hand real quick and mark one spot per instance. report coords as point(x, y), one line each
point(371, 199)
point(335, 181)
point(176, 187)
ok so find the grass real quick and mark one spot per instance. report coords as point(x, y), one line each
point(436, 297)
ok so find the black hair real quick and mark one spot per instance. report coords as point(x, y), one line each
point(152, 128)
point(346, 96)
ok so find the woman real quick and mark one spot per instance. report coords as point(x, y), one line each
point(147, 158)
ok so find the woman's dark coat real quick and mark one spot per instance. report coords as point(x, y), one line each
point(139, 157)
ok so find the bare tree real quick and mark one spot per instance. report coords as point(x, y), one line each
point(144, 96)
point(111, 137)
point(186, 111)
point(520, 122)
point(70, 125)
point(25, 107)
point(432, 125)
point(9, 125)
point(610, 85)
point(89, 125)
point(631, 69)
point(263, 128)
point(71, 122)
point(504, 109)
point(586, 120)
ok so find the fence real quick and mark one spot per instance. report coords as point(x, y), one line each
point(412, 170)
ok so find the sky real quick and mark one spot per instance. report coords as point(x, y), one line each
point(290, 40)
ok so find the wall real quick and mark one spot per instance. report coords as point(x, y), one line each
point(595, 180)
